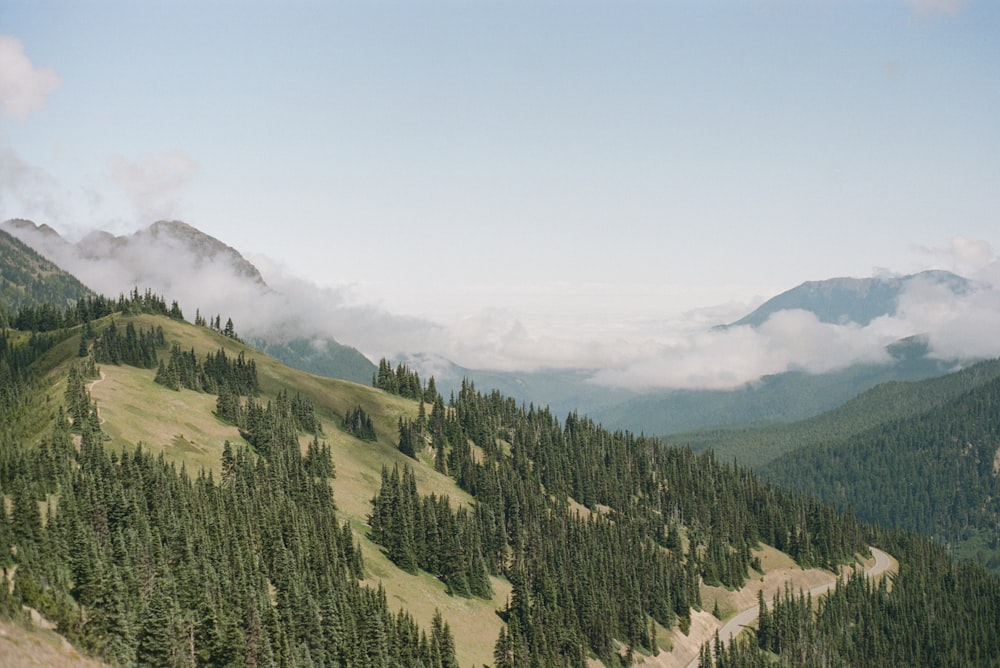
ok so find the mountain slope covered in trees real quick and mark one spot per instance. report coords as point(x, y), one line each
point(173, 497)
point(172, 255)
point(757, 445)
point(28, 279)
point(936, 471)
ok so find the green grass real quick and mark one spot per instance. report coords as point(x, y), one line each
point(182, 425)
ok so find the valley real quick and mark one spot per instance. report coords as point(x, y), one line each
point(469, 531)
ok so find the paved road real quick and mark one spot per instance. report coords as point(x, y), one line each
point(737, 622)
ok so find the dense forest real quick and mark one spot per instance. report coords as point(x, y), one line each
point(140, 563)
point(757, 445)
point(605, 537)
point(935, 473)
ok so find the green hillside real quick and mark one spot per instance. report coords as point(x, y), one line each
point(757, 445)
point(323, 357)
point(173, 497)
point(28, 279)
point(182, 427)
point(936, 470)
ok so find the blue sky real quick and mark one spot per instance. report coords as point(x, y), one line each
point(557, 163)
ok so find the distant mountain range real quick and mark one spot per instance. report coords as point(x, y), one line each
point(782, 397)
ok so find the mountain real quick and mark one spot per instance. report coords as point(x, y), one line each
point(28, 279)
point(321, 356)
point(857, 300)
point(174, 497)
point(172, 257)
point(777, 398)
point(176, 259)
point(757, 445)
point(188, 246)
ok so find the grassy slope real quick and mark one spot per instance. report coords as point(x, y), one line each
point(183, 427)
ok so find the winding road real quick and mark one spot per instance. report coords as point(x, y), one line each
point(739, 621)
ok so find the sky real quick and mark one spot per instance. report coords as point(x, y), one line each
point(537, 183)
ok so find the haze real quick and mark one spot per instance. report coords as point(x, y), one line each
point(528, 185)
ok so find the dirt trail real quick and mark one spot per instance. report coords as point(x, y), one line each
point(90, 389)
point(739, 621)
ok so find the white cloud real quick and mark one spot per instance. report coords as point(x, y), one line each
point(153, 183)
point(23, 89)
point(960, 328)
point(723, 359)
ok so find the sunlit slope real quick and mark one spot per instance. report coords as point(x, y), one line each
point(182, 425)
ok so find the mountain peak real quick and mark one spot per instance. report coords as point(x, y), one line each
point(21, 224)
point(203, 247)
point(132, 250)
point(845, 299)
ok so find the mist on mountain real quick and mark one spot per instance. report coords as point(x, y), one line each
point(268, 301)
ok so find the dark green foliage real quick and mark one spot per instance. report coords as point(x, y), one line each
point(134, 348)
point(401, 381)
point(29, 280)
point(16, 370)
point(583, 583)
point(324, 357)
point(215, 325)
point(318, 460)
point(933, 473)
point(358, 423)
point(217, 374)
point(142, 564)
point(410, 438)
point(263, 425)
point(756, 445)
point(426, 533)
point(48, 317)
point(77, 398)
point(937, 612)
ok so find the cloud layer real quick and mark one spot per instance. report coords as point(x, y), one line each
point(681, 352)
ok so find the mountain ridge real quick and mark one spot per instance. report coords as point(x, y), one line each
point(845, 299)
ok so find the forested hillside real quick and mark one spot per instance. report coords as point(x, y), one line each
point(323, 357)
point(935, 472)
point(211, 509)
point(756, 445)
point(28, 279)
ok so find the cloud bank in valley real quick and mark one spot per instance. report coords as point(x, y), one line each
point(643, 354)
